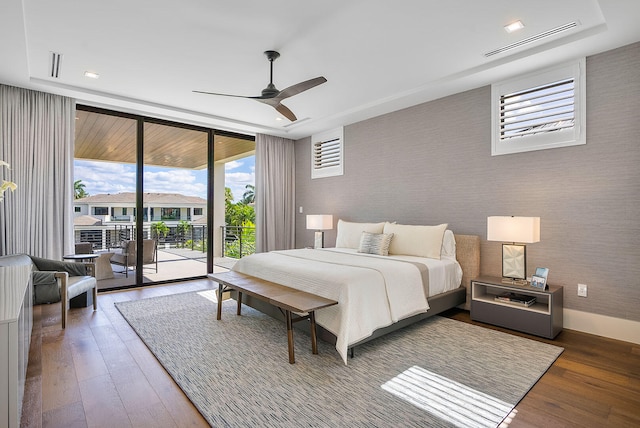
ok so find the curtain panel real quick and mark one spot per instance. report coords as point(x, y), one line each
point(275, 193)
point(37, 133)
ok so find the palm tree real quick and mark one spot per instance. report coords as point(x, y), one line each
point(78, 190)
point(249, 195)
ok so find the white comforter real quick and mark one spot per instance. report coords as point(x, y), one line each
point(372, 292)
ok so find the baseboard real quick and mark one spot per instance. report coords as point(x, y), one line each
point(602, 325)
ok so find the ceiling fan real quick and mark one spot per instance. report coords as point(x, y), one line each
point(272, 96)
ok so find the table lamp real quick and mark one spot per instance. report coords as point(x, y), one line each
point(319, 222)
point(518, 231)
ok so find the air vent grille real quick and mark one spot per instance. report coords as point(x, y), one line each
point(533, 39)
point(55, 60)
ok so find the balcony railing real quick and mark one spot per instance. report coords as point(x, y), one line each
point(239, 241)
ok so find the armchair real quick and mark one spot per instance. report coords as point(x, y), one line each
point(129, 252)
point(57, 281)
point(84, 248)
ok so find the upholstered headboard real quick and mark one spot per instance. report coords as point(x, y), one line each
point(468, 255)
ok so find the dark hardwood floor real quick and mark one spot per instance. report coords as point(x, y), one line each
point(98, 372)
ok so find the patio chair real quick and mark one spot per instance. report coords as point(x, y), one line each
point(127, 258)
point(84, 248)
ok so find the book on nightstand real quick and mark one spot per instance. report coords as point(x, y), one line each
point(518, 299)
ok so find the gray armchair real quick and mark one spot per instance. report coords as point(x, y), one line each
point(57, 281)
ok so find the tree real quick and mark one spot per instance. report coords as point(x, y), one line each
point(159, 229)
point(79, 190)
point(249, 196)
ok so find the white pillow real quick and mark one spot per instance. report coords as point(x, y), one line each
point(349, 234)
point(421, 241)
point(448, 245)
point(375, 243)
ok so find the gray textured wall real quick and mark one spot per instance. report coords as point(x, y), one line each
point(432, 163)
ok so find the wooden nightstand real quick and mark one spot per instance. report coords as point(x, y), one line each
point(543, 318)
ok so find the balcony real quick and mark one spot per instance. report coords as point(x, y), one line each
point(179, 255)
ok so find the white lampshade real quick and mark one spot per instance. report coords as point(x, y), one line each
point(320, 222)
point(525, 230)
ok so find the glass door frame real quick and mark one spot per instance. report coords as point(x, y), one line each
point(139, 211)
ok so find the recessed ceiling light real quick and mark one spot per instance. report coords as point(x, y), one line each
point(91, 74)
point(278, 118)
point(514, 26)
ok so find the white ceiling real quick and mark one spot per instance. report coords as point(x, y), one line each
point(378, 56)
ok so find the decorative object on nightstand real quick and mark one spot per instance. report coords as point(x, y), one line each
point(319, 222)
point(514, 232)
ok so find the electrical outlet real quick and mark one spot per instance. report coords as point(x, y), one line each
point(582, 290)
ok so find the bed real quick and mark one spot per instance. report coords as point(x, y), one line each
point(385, 276)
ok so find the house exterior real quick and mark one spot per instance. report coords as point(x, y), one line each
point(107, 219)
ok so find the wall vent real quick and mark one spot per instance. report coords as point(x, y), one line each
point(54, 64)
point(533, 39)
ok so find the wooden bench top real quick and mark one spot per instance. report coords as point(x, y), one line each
point(278, 295)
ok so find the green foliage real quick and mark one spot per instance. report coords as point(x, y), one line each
point(240, 221)
point(159, 229)
point(79, 190)
point(197, 245)
point(245, 241)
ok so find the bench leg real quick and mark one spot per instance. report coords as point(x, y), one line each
point(292, 358)
point(220, 286)
point(314, 342)
point(239, 310)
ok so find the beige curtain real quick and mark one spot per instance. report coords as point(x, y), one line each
point(37, 138)
point(275, 193)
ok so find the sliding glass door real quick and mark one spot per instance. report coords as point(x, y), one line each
point(174, 202)
point(150, 196)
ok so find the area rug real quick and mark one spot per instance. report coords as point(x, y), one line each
point(438, 373)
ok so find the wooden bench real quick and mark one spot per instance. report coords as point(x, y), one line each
point(287, 299)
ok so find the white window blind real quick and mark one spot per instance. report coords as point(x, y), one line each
point(546, 108)
point(326, 154)
point(541, 110)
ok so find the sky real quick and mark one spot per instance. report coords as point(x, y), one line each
point(108, 177)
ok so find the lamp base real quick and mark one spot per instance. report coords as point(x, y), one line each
point(319, 240)
point(515, 281)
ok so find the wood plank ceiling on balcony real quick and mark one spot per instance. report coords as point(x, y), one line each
point(107, 138)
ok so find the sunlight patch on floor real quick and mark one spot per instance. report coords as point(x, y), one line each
point(209, 295)
point(449, 400)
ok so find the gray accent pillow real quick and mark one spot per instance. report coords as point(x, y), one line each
point(72, 268)
point(375, 243)
point(45, 288)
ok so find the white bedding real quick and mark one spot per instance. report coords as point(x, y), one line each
point(372, 291)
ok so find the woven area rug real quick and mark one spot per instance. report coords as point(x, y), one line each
point(437, 373)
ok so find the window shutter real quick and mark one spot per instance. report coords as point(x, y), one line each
point(546, 108)
point(326, 154)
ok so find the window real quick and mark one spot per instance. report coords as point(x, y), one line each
point(170, 214)
point(541, 110)
point(124, 211)
point(197, 211)
point(326, 154)
point(77, 209)
point(100, 210)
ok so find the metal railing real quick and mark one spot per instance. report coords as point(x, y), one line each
point(106, 237)
point(239, 241)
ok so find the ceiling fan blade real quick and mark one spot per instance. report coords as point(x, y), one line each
point(300, 87)
point(259, 97)
point(283, 110)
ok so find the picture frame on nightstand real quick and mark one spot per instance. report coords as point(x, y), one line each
point(538, 282)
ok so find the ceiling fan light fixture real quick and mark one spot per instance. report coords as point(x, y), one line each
point(514, 26)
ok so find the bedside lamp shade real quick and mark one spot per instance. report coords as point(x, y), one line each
point(518, 231)
point(513, 229)
point(319, 222)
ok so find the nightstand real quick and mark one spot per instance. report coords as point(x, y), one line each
point(543, 318)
